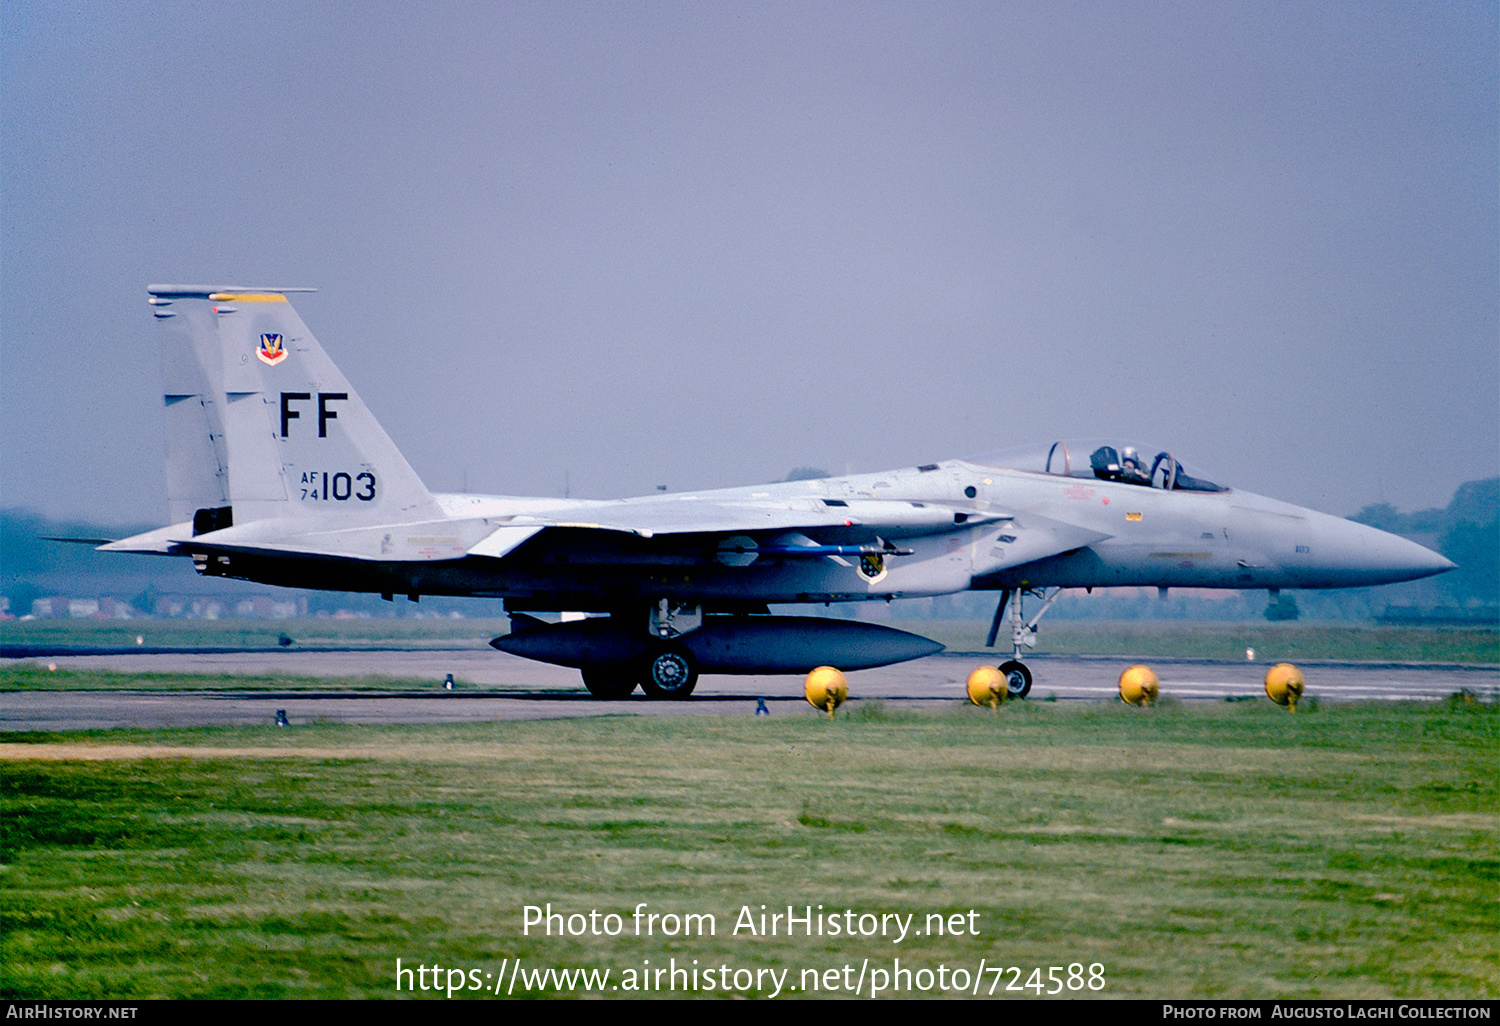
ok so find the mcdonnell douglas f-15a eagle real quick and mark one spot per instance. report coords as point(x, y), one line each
point(278, 473)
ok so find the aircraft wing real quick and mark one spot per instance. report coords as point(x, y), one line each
point(999, 539)
point(690, 515)
point(1005, 539)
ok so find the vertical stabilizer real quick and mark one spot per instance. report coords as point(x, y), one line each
point(296, 438)
point(192, 370)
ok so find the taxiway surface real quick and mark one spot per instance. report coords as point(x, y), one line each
point(494, 686)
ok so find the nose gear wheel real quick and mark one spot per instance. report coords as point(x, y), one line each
point(1017, 678)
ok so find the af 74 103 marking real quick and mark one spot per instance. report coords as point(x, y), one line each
point(338, 486)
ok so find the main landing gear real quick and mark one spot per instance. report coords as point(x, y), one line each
point(669, 671)
point(1022, 635)
point(666, 671)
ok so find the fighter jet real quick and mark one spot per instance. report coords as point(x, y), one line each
point(278, 473)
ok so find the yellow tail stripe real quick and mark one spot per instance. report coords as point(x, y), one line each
point(247, 297)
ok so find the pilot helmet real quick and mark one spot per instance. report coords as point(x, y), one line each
point(1130, 455)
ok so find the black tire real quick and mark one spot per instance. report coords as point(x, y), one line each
point(612, 682)
point(670, 672)
point(1017, 678)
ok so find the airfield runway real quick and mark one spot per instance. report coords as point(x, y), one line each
point(495, 686)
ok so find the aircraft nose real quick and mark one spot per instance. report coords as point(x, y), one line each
point(1398, 556)
point(1435, 563)
point(1371, 556)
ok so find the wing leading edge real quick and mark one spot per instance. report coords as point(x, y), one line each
point(693, 515)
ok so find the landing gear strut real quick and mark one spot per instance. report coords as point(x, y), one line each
point(1022, 635)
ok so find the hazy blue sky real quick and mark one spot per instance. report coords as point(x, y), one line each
point(699, 244)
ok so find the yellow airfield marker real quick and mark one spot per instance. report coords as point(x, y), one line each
point(1139, 685)
point(826, 688)
point(1284, 685)
point(987, 687)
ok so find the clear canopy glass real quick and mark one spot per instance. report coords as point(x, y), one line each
point(1104, 459)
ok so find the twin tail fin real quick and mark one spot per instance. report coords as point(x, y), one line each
point(262, 425)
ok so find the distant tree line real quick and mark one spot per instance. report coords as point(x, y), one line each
point(1467, 531)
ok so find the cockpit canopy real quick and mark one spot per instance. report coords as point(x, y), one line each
point(1105, 459)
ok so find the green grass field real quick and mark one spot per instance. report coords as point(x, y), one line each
point(1214, 850)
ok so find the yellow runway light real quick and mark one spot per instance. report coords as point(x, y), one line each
point(987, 687)
point(826, 688)
point(1284, 685)
point(1139, 686)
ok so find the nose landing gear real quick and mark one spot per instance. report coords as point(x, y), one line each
point(1022, 635)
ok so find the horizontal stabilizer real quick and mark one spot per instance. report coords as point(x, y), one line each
point(160, 542)
point(424, 541)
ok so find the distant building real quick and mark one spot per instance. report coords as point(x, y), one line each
point(51, 605)
point(113, 609)
point(168, 605)
point(205, 609)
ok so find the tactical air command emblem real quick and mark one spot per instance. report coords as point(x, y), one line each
point(271, 350)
